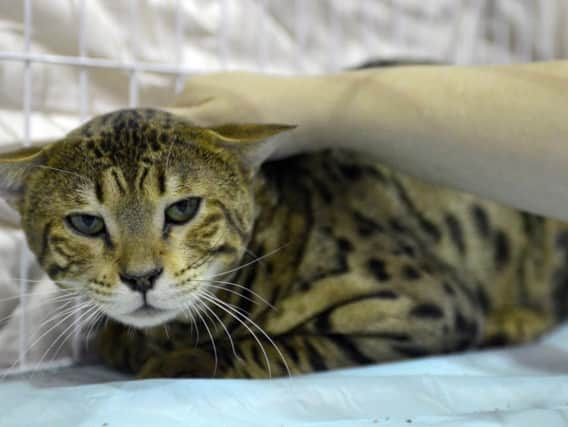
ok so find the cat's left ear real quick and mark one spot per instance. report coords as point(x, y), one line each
point(253, 143)
point(14, 169)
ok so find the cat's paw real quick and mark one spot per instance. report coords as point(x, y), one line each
point(121, 348)
point(190, 363)
point(515, 325)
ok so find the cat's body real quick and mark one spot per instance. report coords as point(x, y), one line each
point(362, 265)
point(344, 262)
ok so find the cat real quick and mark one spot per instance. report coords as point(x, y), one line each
point(208, 261)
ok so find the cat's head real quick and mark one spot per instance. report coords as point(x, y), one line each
point(138, 209)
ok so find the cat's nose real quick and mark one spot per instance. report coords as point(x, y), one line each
point(141, 282)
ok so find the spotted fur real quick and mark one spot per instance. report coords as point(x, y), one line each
point(332, 259)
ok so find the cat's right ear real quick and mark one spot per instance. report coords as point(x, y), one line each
point(14, 169)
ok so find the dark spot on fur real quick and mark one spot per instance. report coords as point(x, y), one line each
point(155, 145)
point(375, 173)
point(430, 229)
point(291, 352)
point(393, 336)
point(378, 268)
point(223, 249)
point(269, 268)
point(324, 192)
point(562, 240)
point(408, 250)
point(497, 340)
point(448, 289)
point(502, 250)
point(366, 226)
point(481, 220)
point(385, 294)
point(143, 178)
point(152, 135)
point(344, 245)
point(410, 273)
point(117, 181)
point(352, 172)
point(465, 328)
point(462, 325)
point(427, 311)
point(99, 192)
point(463, 344)
point(397, 226)
point(98, 153)
point(315, 358)
point(161, 182)
point(483, 300)
point(456, 233)
point(410, 351)
point(350, 349)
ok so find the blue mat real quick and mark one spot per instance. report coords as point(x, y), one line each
point(515, 387)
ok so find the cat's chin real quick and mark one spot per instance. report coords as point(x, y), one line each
point(146, 317)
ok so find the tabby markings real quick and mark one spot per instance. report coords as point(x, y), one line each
point(456, 233)
point(378, 268)
point(502, 251)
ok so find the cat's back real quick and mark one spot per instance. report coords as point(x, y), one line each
point(364, 216)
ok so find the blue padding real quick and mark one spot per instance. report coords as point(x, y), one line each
point(515, 387)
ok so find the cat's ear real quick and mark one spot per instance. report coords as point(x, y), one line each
point(14, 169)
point(253, 143)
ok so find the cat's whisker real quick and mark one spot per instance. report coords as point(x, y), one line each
point(215, 301)
point(188, 310)
point(232, 270)
point(68, 313)
point(62, 301)
point(55, 294)
point(195, 326)
point(20, 279)
point(244, 288)
point(251, 253)
point(210, 337)
point(210, 285)
point(76, 322)
point(92, 327)
point(262, 331)
point(171, 145)
point(167, 331)
point(231, 341)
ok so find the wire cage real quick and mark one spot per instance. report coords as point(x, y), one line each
point(62, 62)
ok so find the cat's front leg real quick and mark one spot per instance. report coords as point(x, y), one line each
point(124, 348)
point(187, 363)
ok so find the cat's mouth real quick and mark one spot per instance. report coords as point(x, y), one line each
point(147, 310)
point(146, 316)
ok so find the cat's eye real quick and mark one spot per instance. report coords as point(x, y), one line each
point(182, 211)
point(88, 225)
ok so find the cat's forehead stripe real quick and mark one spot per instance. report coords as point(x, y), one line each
point(119, 185)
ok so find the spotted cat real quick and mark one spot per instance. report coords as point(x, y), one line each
point(209, 262)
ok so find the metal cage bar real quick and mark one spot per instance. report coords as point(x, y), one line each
point(25, 257)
